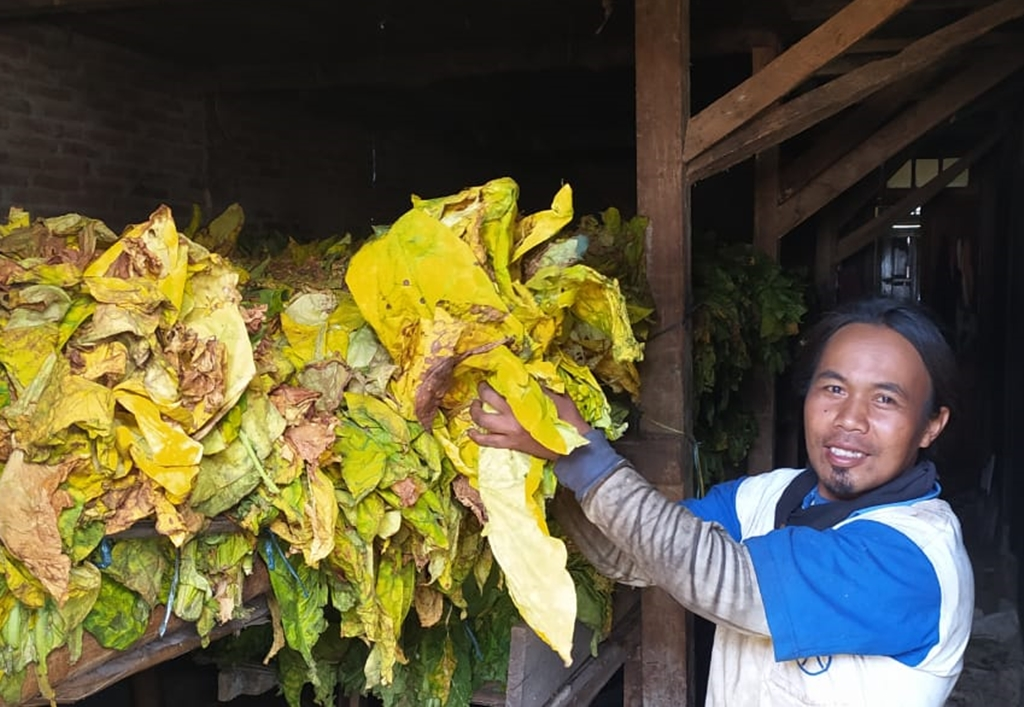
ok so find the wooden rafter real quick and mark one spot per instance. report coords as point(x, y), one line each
point(862, 236)
point(808, 109)
point(978, 77)
point(846, 133)
point(788, 71)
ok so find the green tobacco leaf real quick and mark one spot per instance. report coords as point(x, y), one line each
point(119, 617)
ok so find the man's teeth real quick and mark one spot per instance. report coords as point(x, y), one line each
point(845, 453)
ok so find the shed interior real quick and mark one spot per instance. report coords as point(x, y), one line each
point(322, 118)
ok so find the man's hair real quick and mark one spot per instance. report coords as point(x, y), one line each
point(911, 321)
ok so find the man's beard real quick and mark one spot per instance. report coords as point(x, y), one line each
point(840, 484)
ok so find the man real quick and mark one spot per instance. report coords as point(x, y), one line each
point(843, 584)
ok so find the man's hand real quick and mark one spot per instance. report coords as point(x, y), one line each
point(500, 428)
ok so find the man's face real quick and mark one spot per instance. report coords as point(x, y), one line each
point(866, 412)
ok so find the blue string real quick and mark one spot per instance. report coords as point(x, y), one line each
point(172, 593)
point(106, 557)
point(472, 639)
point(291, 570)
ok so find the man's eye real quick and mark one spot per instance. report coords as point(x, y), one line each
point(834, 389)
point(886, 400)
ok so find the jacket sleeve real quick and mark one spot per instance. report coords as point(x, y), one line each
point(663, 543)
point(601, 552)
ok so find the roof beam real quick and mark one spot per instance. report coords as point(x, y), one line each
point(862, 236)
point(804, 111)
point(978, 77)
point(789, 70)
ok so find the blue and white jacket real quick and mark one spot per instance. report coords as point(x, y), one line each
point(874, 611)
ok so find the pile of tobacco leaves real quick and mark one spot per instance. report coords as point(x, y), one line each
point(317, 402)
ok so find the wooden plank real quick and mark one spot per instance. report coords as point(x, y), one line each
point(100, 667)
point(846, 134)
point(659, 672)
point(788, 71)
point(967, 85)
point(761, 391)
point(537, 678)
point(865, 234)
point(808, 109)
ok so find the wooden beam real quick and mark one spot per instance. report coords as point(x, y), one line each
point(862, 236)
point(98, 667)
point(816, 11)
point(659, 673)
point(787, 72)
point(967, 85)
point(808, 109)
point(847, 132)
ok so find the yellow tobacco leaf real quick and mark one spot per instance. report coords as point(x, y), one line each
point(37, 304)
point(28, 520)
point(541, 226)
point(510, 377)
point(179, 523)
point(24, 351)
point(55, 401)
point(396, 579)
point(109, 358)
point(317, 327)
point(221, 234)
point(146, 267)
point(533, 562)
point(162, 450)
point(322, 515)
point(214, 314)
point(595, 300)
point(395, 279)
point(484, 217)
point(310, 516)
point(16, 218)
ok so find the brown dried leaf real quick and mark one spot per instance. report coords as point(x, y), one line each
point(469, 497)
point(293, 402)
point(28, 520)
point(311, 439)
point(429, 605)
point(253, 317)
point(407, 490)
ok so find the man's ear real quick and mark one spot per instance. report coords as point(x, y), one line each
point(933, 428)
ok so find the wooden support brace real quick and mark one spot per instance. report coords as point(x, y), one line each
point(971, 82)
point(847, 133)
point(793, 117)
point(787, 72)
point(862, 236)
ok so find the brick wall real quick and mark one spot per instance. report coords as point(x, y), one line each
point(86, 126)
point(91, 127)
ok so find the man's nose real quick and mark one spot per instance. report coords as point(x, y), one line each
point(852, 414)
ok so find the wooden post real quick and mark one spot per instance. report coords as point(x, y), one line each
point(761, 456)
point(659, 674)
